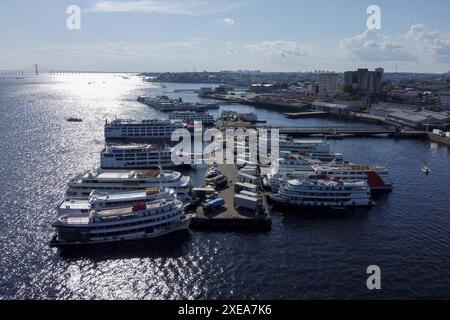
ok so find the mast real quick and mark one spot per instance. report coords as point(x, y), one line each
point(161, 172)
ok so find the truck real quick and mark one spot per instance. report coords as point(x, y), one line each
point(218, 181)
point(245, 202)
point(438, 132)
point(204, 193)
point(212, 205)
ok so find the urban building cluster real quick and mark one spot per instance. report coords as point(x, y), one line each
point(419, 101)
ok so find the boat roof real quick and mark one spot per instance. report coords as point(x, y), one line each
point(123, 175)
point(350, 167)
point(129, 195)
point(321, 182)
point(76, 204)
point(82, 220)
point(128, 210)
point(137, 146)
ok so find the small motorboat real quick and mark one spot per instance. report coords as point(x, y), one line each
point(426, 168)
point(71, 119)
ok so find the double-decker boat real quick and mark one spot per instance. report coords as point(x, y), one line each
point(118, 181)
point(290, 167)
point(136, 157)
point(141, 130)
point(166, 104)
point(315, 149)
point(323, 193)
point(143, 219)
point(377, 177)
point(103, 200)
point(191, 116)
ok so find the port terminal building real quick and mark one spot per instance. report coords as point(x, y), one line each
point(411, 117)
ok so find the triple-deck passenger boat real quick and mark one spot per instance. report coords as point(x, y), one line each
point(290, 167)
point(136, 157)
point(323, 193)
point(143, 219)
point(103, 201)
point(119, 181)
point(315, 149)
point(191, 116)
point(377, 177)
point(141, 130)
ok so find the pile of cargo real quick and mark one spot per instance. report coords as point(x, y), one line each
point(247, 188)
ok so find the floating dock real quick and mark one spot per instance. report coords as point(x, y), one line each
point(228, 218)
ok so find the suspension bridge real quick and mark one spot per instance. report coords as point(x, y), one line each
point(37, 70)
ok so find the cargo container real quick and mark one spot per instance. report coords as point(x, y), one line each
point(247, 178)
point(251, 170)
point(239, 186)
point(249, 194)
point(245, 202)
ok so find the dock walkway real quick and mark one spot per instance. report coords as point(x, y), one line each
point(229, 218)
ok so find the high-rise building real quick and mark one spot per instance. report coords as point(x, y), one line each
point(328, 84)
point(364, 82)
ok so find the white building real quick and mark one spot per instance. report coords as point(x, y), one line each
point(405, 115)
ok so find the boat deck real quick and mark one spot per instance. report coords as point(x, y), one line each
point(125, 210)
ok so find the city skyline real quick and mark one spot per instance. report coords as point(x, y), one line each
point(177, 36)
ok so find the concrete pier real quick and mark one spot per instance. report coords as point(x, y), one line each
point(229, 218)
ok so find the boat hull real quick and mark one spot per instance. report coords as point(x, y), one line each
point(180, 227)
point(278, 203)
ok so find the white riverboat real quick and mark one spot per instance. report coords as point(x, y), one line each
point(141, 130)
point(377, 177)
point(102, 200)
point(191, 116)
point(140, 220)
point(136, 157)
point(290, 167)
point(121, 180)
point(323, 193)
point(315, 149)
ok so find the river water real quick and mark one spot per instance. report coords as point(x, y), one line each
point(406, 234)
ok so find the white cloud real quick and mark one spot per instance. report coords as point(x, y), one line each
point(229, 46)
point(280, 52)
point(430, 44)
point(372, 46)
point(227, 21)
point(178, 7)
point(130, 50)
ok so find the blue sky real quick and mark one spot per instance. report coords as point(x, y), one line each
point(270, 35)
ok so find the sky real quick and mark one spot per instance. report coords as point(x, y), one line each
point(214, 35)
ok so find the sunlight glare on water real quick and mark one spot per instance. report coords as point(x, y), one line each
point(406, 233)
